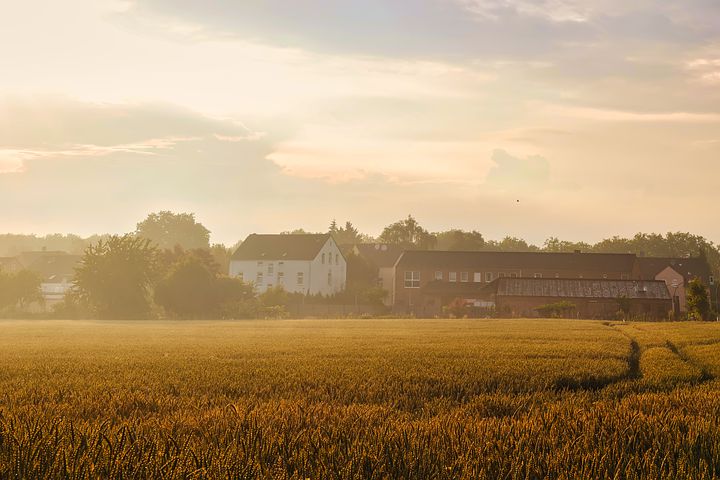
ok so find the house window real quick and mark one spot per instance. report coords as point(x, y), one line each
point(301, 278)
point(259, 278)
point(501, 275)
point(464, 276)
point(241, 276)
point(513, 275)
point(269, 286)
point(281, 265)
point(452, 277)
point(488, 276)
point(477, 277)
point(412, 279)
point(260, 264)
point(624, 276)
point(337, 259)
point(271, 268)
point(438, 275)
point(323, 259)
point(380, 282)
point(537, 275)
point(281, 278)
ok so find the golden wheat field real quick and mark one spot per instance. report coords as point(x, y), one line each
point(363, 399)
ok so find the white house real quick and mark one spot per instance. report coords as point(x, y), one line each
point(309, 263)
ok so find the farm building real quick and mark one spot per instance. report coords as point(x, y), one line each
point(56, 270)
point(416, 269)
point(309, 263)
point(592, 298)
point(677, 273)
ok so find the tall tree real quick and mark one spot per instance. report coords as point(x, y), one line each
point(348, 234)
point(510, 244)
point(409, 234)
point(115, 276)
point(698, 303)
point(188, 291)
point(167, 229)
point(19, 289)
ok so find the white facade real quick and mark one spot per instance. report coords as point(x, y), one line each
point(325, 274)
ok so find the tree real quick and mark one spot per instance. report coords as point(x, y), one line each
point(460, 240)
point(347, 235)
point(698, 303)
point(115, 276)
point(20, 289)
point(409, 234)
point(167, 229)
point(188, 291)
point(511, 244)
point(554, 244)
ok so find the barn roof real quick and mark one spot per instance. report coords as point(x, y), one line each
point(581, 288)
point(689, 268)
point(583, 262)
point(380, 254)
point(281, 247)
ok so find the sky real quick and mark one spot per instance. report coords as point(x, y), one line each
point(578, 119)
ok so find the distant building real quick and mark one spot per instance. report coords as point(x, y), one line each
point(677, 273)
point(415, 269)
point(308, 263)
point(56, 270)
point(592, 298)
point(10, 264)
point(382, 257)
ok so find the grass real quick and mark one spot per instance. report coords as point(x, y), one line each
point(515, 399)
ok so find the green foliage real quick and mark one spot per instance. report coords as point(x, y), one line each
point(168, 230)
point(347, 235)
point(114, 277)
point(19, 290)
point(409, 234)
point(557, 309)
point(698, 303)
point(188, 291)
point(460, 240)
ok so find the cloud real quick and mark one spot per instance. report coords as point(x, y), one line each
point(517, 173)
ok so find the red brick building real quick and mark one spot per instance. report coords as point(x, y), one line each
point(414, 270)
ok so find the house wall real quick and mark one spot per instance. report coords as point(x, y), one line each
point(386, 279)
point(314, 272)
point(676, 285)
point(585, 308)
point(404, 298)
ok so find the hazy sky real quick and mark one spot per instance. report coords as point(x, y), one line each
point(602, 117)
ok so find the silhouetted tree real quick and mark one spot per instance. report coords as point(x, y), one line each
point(19, 289)
point(347, 235)
point(409, 234)
point(114, 277)
point(698, 303)
point(167, 229)
point(188, 291)
point(460, 240)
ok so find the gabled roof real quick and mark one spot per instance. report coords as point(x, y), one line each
point(380, 254)
point(582, 262)
point(689, 268)
point(582, 288)
point(281, 247)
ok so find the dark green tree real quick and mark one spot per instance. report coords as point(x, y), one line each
point(19, 290)
point(115, 277)
point(167, 229)
point(698, 303)
point(188, 291)
point(460, 240)
point(409, 234)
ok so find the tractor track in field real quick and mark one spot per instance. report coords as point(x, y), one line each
point(633, 359)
